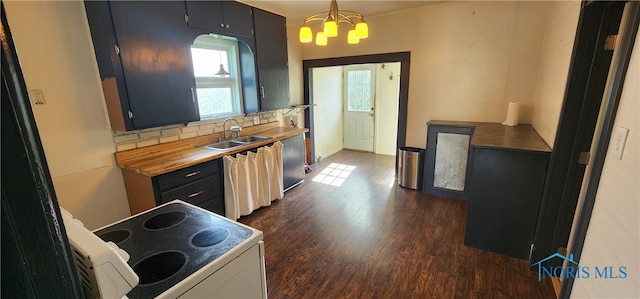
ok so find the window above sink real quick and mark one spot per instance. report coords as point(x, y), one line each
point(217, 75)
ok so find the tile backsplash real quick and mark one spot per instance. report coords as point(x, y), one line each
point(141, 138)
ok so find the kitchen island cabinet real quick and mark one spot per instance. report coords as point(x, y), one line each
point(504, 180)
point(446, 166)
point(144, 62)
point(506, 188)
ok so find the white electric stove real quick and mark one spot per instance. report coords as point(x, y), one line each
point(176, 250)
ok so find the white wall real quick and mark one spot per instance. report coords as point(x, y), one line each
point(468, 59)
point(296, 91)
point(328, 112)
point(613, 237)
point(56, 54)
point(560, 32)
point(386, 108)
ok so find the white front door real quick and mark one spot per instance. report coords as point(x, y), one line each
point(359, 90)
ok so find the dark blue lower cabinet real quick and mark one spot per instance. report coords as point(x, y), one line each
point(201, 185)
point(505, 190)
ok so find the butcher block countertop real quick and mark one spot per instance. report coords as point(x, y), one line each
point(493, 135)
point(163, 158)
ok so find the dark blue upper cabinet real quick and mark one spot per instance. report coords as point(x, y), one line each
point(272, 60)
point(144, 61)
point(222, 17)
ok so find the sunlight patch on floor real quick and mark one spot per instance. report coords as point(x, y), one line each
point(335, 174)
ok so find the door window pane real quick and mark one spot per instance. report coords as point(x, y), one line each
point(359, 90)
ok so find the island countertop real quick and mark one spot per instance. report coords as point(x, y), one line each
point(163, 158)
point(493, 135)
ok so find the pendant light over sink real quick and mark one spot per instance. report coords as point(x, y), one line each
point(222, 73)
point(329, 27)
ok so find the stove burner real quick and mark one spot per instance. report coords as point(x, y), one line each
point(159, 266)
point(115, 236)
point(165, 220)
point(209, 237)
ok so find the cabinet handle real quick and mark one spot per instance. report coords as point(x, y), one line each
point(195, 194)
point(188, 175)
point(222, 25)
point(262, 91)
point(193, 96)
point(227, 26)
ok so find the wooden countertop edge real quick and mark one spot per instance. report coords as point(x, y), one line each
point(541, 147)
point(165, 159)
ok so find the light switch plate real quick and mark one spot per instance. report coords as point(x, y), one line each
point(256, 120)
point(619, 140)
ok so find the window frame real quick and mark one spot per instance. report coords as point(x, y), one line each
point(230, 46)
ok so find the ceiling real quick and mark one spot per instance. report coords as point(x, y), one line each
point(297, 10)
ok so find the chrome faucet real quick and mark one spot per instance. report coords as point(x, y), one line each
point(235, 129)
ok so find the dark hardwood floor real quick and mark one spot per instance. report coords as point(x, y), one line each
point(370, 238)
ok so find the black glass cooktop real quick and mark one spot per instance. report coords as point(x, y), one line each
point(169, 243)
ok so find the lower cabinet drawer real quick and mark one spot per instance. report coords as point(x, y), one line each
point(195, 193)
point(187, 175)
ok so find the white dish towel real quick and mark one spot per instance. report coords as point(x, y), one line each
point(253, 180)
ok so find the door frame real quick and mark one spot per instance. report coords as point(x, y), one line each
point(403, 94)
point(620, 64)
point(586, 85)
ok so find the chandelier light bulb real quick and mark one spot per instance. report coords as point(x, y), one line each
point(330, 28)
point(362, 29)
point(321, 39)
point(352, 38)
point(306, 36)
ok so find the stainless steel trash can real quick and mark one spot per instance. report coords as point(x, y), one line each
point(410, 167)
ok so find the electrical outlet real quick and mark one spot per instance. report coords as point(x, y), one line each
point(37, 97)
point(619, 140)
point(292, 121)
point(256, 120)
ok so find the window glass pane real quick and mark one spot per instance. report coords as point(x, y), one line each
point(366, 77)
point(351, 76)
point(213, 101)
point(206, 62)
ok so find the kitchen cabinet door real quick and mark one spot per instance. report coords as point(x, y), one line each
point(505, 191)
point(155, 61)
point(248, 73)
point(293, 159)
point(144, 62)
point(272, 60)
point(238, 18)
point(222, 17)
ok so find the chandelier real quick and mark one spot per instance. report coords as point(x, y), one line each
point(330, 21)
